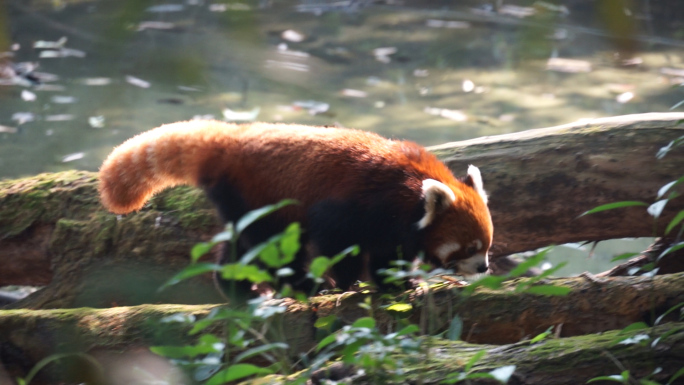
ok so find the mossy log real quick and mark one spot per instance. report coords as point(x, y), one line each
point(54, 232)
point(118, 338)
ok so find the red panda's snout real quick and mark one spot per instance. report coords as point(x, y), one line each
point(457, 225)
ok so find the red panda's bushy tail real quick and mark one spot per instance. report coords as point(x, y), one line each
point(166, 156)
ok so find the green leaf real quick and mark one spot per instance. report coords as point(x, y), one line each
point(270, 255)
point(531, 262)
point(542, 336)
point(550, 271)
point(675, 221)
point(364, 322)
point(474, 359)
point(634, 326)
point(187, 351)
point(260, 350)
point(455, 329)
point(490, 281)
point(289, 244)
point(326, 341)
point(671, 249)
point(675, 376)
point(55, 357)
point(252, 253)
point(319, 266)
point(325, 322)
point(240, 272)
point(614, 378)
point(236, 372)
point(257, 214)
point(191, 271)
point(548, 290)
point(670, 310)
point(410, 329)
point(227, 235)
point(453, 378)
point(615, 205)
point(199, 250)
point(663, 190)
point(351, 250)
point(623, 256)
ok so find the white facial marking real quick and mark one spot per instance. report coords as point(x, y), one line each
point(473, 265)
point(478, 244)
point(436, 195)
point(476, 177)
point(443, 252)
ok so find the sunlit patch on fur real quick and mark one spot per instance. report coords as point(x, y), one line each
point(443, 252)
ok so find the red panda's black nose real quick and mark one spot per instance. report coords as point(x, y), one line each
point(482, 268)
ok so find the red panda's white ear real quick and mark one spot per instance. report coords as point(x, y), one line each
point(438, 197)
point(474, 180)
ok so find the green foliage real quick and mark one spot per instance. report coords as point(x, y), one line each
point(91, 362)
point(501, 374)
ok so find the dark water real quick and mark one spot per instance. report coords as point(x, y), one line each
point(79, 77)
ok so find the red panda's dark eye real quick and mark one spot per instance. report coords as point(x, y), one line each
point(472, 250)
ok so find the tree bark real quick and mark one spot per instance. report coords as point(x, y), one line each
point(489, 316)
point(54, 231)
point(541, 181)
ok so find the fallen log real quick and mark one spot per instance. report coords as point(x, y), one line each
point(489, 316)
point(54, 231)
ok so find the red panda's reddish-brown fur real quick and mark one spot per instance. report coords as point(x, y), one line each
point(340, 177)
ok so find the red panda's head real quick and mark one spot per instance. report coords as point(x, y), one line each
point(457, 227)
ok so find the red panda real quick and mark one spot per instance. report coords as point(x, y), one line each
point(392, 198)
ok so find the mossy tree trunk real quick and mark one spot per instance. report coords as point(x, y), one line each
point(54, 232)
point(118, 338)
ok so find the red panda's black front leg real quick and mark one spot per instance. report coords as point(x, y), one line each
point(381, 234)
